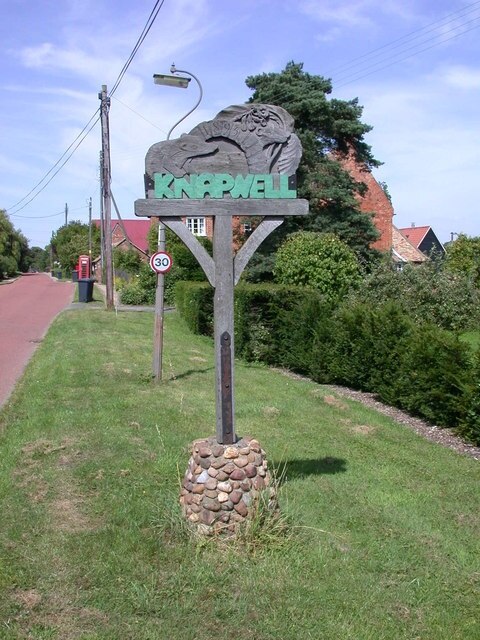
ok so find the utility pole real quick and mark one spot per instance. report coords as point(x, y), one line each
point(90, 229)
point(66, 214)
point(107, 203)
point(102, 222)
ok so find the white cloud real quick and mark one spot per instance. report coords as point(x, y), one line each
point(355, 13)
point(461, 77)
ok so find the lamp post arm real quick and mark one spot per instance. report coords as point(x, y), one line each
point(175, 70)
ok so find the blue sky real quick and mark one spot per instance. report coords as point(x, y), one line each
point(414, 65)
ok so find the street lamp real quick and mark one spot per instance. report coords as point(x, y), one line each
point(181, 82)
point(171, 81)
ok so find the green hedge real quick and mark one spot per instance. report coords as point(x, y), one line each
point(194, 302)
point(421, 368)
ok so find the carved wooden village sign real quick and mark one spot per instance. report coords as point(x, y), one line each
point(241, 163)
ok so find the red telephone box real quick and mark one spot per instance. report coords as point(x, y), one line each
point(84, 267)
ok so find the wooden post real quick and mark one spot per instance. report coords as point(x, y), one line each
point(223, 328)
point(159, 312)
point(107, 202)
point(90, 229)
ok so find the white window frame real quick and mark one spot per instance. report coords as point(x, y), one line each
point(197, 226)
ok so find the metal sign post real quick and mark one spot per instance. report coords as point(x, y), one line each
point(259, 183)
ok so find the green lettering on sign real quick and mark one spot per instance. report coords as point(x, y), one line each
point(218, 185)
point(242, 186)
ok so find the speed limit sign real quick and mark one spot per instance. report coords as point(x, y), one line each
point(161, 262)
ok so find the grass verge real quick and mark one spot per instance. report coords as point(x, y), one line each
point(380, 531)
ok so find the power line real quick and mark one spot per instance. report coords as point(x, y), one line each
point(139, 115)
point(350, 75)
point(451, 17)
point(354, 78)
point(51, 215)
point(56, 164)
point(59, 168)
point(151, 19)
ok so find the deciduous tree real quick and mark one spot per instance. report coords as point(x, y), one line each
point(13, 248)
point(71, 241)
point(463, 256)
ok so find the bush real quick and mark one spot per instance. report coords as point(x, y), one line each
point(127, 261)
point(469, 426)
point(426, 292)
point(140, 290)
point(258, 312)
point(132, 293)
point(194, 302)
point(304, 336)
point(366, 344)
point(434, 375)
point(317, 260)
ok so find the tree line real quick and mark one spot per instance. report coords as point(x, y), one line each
point(14, 251)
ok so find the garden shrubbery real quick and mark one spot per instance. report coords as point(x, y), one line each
point(194, 302)
point(427, 293)
point(140, 288)
point(376, 347)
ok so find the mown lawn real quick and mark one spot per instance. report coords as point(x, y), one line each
point(381, 528)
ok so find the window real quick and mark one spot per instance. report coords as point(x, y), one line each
point(196, 226)
point(247, 228)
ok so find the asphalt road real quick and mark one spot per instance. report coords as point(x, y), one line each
point(27, 308)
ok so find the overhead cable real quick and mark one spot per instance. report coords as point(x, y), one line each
point(59, 168)
point(410, 37)
point(151, 19)
point(56, 163)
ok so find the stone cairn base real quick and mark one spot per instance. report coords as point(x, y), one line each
point(222, 485)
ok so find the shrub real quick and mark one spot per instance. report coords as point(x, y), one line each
point(426, 293)
point(434, 374)
point(128, 260)
point(463, 257)
point(263, 313)
point(304, 336)
point(418, 367)
point(469, 425)
point(366, 344)
point(317, 260)
point(132, 293)
point(194, 302)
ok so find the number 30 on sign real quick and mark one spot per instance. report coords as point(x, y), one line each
point(161, 262)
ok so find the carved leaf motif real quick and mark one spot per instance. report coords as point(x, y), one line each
point(290, 156)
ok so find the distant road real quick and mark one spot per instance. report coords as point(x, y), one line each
point(27, 308)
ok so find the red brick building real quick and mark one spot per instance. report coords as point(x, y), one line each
point(375, 200)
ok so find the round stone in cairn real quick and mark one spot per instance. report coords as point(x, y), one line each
point(222, 484)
